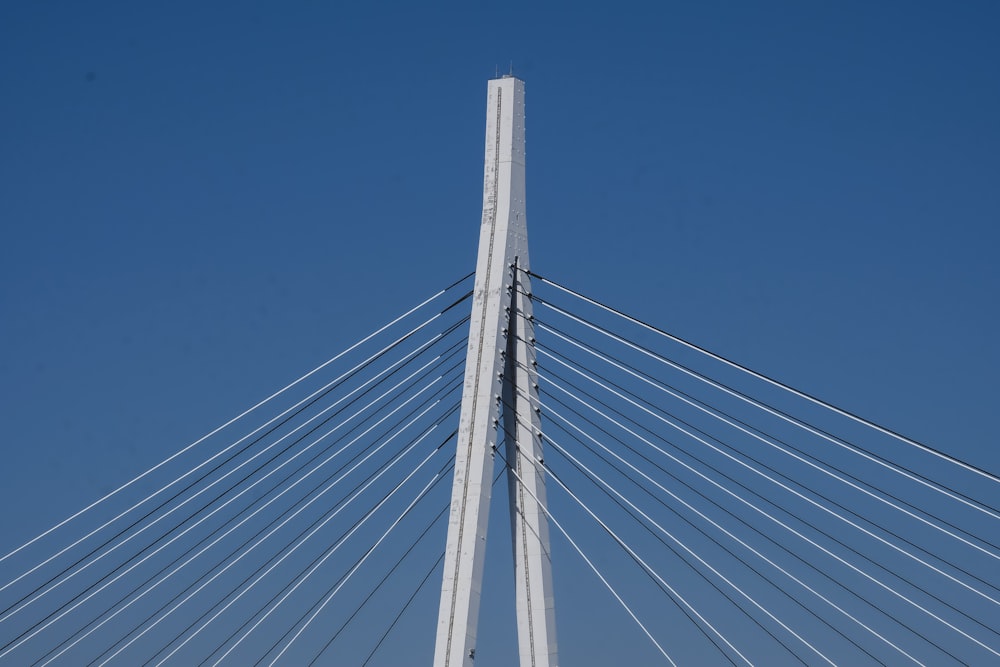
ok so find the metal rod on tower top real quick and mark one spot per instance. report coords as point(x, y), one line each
point(499, 369)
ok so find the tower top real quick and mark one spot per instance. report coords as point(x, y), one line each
point(508, 75)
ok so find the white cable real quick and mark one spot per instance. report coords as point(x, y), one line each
point(551, 411)
point(229, 447)
point(302, 541)
point(836, 441)
point(642, 562)
point(260, 541)
point(371, 550)
point(332, 549)
point(783, 525)
point(794, 455)
point(776, 482)
point(593, 567)
point(77, 571)
point(775, 383)
point(231, 421)
point(681, 544)
point(774, 445)
point(228, 532)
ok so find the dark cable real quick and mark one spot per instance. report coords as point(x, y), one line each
point(713, 409)
point(818, 461)
point(316, 560)
point(399, 615)
point(268, 493)
point(736, 452)
point(740, 485)
point(782, 385)
point(450, 464)
point(645, 571)
point(659, 538)
point(440, 476)
point(746, 564)
point(408, 601)
point(715, 503)
point(189, 487)
point(275, 520)
point(222, 494)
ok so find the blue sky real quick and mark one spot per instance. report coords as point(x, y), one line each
point(200, 202)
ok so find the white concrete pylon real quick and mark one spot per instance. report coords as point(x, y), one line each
point(499, 369)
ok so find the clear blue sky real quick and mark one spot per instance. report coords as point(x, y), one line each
point(202, 200)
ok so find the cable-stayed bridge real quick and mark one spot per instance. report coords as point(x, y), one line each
point(698, 511)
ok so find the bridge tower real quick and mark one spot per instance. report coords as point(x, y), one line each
point(500, 379)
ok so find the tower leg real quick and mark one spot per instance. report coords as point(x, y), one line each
point(536, 629)
point(503, 245)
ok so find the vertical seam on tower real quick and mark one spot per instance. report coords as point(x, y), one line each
point(520, 493)
point(475, 394)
